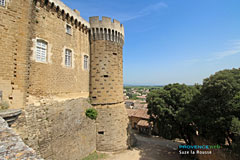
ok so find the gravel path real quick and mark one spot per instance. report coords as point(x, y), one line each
point(149, 148)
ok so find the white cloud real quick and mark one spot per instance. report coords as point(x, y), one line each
point(153, 7)
point(145, 11)
point(233, 49)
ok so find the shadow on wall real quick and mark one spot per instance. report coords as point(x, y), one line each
point(131, 141)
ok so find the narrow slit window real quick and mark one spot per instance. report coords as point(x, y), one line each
point(85, 62)
point(1, 95)
point(2, 2)
point(41, 51)
point(101, 132)
point(68, 58)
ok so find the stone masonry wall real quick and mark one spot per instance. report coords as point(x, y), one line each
point(112, 126)
point(53, 77)
point(15, 21)
point(58, 130)
point(106, 72)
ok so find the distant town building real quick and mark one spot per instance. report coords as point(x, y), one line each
point(139, 120)
point(129, 104)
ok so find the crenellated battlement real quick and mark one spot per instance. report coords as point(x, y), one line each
point(106, 29)
point(64, 12)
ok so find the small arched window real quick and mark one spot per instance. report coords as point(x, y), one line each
point(41, 51)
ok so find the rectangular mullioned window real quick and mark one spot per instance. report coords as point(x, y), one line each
point(2, 2)
point(41, 51)
point(68, 58)
point(85, 63)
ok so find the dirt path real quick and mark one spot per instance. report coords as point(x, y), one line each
point(149, 148)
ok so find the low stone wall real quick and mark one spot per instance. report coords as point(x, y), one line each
point(12, 146)
point(58, 130)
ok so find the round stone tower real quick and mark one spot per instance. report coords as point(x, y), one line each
point(106, 83)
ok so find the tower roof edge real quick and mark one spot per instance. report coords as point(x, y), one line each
point(107, 23)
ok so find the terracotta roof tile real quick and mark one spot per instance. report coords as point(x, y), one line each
point(140, 113)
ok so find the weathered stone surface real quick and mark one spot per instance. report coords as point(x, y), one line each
point(112, 125)
point(10, 115)
point(15, 35)
point(11, 145)
point(58, 130)
point(53, 77)
point(22, 23)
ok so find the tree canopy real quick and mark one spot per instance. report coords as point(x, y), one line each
point(211, 109)
point(166, 107)
point(218, 107)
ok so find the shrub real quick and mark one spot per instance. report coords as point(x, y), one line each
point(91, 113)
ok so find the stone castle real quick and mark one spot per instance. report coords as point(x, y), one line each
point(54, 65)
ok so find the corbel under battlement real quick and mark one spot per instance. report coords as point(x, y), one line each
point(64, 12)
point(106, 29)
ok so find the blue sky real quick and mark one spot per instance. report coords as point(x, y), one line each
point(172, 41)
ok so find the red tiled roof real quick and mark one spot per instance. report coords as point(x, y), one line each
point(140, 113)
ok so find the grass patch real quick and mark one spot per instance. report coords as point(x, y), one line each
point(95, 156)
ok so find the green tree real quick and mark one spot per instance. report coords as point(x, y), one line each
point(166, 110)
point(217, 109)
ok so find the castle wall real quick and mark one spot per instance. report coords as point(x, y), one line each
point(53, 77)
point(58, 130)
point(15, 22)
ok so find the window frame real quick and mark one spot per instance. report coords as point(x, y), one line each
point(41, 51)
point(68, 29)
point(68, 57)
point(3, 3)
